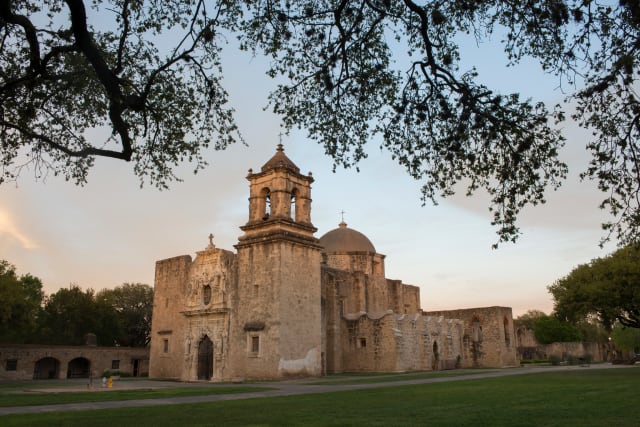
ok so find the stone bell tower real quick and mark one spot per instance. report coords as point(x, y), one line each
point(277, 327)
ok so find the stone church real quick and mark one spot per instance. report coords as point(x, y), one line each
point(288, 304)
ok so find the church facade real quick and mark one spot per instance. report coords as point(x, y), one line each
point(287, 304)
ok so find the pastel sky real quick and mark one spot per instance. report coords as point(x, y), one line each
point(112, 231)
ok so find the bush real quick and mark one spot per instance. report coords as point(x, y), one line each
point(108, 374)
point(555, 360)
point(533, 361)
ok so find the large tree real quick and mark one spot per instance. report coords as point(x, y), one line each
point(350, 71)
point(20, 305)
point(71, 313)
point(608, 288)
point(134, 304)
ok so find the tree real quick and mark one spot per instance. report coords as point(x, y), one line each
point(343, 78)
point(608, 288)
point(549, 329)
point(71, 313)
point(133, 302)
point(626, 338)
point(67, 70)
point(20, 305)
point(529, 318)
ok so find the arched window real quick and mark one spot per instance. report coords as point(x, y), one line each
point(507, 337)
point(206, 294)
point(294, 199)
point(476, 330)
point(265, 208)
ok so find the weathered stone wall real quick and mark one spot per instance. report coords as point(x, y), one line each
point(212, 283)
point(60, 361)
point(368, 343)
point(529, 348)
point(366, 262)
point(279, 291)
point(526, 337)
point(488, 338)
point(168, 323)
point(402, 298)
point(334, 293)
point(369, 294)
point(390, 342)
point(256, 308)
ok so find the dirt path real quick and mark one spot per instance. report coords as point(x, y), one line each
point(284, 388)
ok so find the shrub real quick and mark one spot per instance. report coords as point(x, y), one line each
point(555, 360)
point(533, 361)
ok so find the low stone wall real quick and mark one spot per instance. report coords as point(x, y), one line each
point(33, 361)
point(565, 350)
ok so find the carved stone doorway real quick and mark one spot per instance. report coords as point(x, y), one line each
point(205, 359)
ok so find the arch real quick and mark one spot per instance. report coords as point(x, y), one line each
point(80, 367)
point(294, 205)
point(265, 203)
point(206, 294)
point(435, 364)
point(205, 358)
point(476, 329)
point(47, 368)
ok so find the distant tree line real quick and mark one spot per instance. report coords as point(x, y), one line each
point(119, 316)
point(596, 301)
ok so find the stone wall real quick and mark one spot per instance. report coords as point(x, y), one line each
point(390, 342)
point(34, 361)
point(529, 348)
point(598, 352)
point(488, 338)
point(168, 323)
point(279, 306)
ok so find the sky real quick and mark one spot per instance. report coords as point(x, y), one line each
point(111, 231)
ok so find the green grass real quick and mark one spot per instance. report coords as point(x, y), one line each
point(339, 380)
point(17, 398)
point(589, 397)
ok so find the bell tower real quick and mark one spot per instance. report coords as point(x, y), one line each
point(277, 330)
point(279, 200)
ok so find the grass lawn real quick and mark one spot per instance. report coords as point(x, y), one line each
point(14, 398)
point(342, 379)
point(585, 397)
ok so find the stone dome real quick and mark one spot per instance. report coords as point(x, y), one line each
point(280, 161)
point(343, 239)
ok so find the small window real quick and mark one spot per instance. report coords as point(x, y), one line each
point(206, 294)
point(115, 364)
point(166, 345)
point(255, 344)
point(12, 365)
point(363, 342)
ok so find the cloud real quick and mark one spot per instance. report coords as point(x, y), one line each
point(8, 226)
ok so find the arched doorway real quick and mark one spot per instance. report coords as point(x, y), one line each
point(46, 368)
point(79, 368)
point(435, 364)
point(205, 359)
